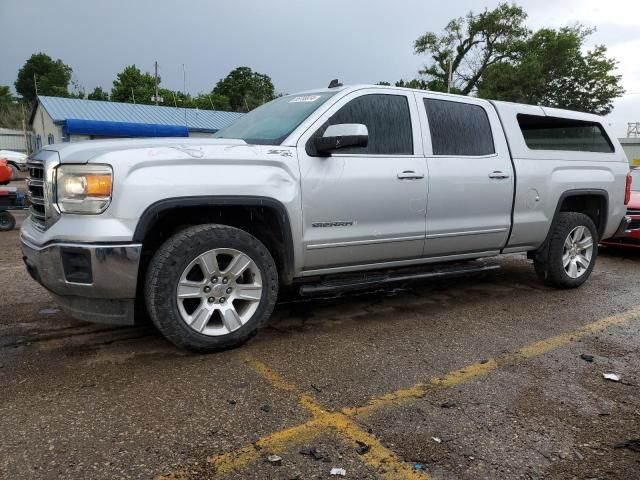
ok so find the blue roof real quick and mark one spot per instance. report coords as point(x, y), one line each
point(62, 109)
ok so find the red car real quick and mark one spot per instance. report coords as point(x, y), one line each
point(631, 236)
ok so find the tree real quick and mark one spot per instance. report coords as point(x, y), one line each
point(52, 77)
point(212, 101)
point(99, 94)
point(469, 45)
point(245, 89)
point(131, 85)
point(5, 95)
point(552, 69)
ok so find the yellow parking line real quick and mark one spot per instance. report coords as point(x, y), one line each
point(480, 369)
point(277, 442)
point(378, 457)
point(388, 464)
point(273, 377)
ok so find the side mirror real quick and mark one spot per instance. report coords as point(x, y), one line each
point(342, 135)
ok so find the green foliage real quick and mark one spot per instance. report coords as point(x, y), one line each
point(5, 95)
point(11, 115)
point(99, 94)
point(469, 45)
point(212, 101)
point(52, 76)
point(245, 89)
point(551, 69)
point(416, 83)
point(494, 55)
point(133, 86)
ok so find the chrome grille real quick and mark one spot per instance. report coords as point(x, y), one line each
point(35, 193)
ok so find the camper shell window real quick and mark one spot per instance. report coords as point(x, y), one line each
point(554, 133)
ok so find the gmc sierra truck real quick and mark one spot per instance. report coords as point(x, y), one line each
point(328, 190)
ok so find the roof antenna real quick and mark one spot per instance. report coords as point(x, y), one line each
point(335, 83)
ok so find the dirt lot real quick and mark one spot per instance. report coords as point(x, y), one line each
point(479, 378)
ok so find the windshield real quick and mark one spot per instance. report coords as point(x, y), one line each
point(635, 182)
point(271, 123)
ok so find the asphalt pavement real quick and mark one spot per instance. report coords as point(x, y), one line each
point(486, 377)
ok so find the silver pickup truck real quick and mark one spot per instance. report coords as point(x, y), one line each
point(329, 190)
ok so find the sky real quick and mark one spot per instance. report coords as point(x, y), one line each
point(300, 44)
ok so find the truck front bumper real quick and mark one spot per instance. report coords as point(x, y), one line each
point(92, 282)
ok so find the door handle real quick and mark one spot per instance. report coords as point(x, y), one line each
point(499, 175)
point(410, 175)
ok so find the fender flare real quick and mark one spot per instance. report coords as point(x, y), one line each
point(579, 192)
point(151, 213)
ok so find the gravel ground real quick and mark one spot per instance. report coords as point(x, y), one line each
point(91, 401)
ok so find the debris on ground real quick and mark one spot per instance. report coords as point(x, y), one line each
point(436, 439)
point(338, 472)
point(274, 460)
point(611, 376)
point(586, 357)
point(362, 448)
point(632, 444)
point(316, 388)
point(448, 404)
point(313, 453)
point(418, 466)
point(231, 402)
point(265, 408)
point(49, 311)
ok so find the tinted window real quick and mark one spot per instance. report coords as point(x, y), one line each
point(387, 119)
point(458, 128)
point(552, 133)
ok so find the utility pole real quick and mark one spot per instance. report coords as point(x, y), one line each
point(156, 81)
point(133, 96)
point(35, 82)
point(450, 74)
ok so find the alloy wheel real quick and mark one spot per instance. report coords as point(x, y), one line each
point(577, 252)
point(219, 291)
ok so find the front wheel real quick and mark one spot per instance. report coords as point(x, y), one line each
point(571, 251)
point(211, 287)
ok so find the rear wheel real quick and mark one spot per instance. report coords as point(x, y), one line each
point(211, 287)
point(571, 253)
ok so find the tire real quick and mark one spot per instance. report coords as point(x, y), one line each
point(551, 262)
point(7, 222)
point(14, 172)
point(179, 263)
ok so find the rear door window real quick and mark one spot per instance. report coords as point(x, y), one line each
point(388, 121)
point(554, 133)
point(460, 129)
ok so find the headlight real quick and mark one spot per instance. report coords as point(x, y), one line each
point(84, 188)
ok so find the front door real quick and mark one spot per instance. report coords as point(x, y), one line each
point(365, 205)
point(471, 177)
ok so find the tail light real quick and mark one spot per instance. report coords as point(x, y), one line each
point(627, 191)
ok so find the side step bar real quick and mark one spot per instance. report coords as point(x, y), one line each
point(364, 282)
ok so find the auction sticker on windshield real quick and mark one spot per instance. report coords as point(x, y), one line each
point(306, 98)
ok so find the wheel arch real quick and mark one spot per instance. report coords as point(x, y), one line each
point(593, 202)
point(188, 210)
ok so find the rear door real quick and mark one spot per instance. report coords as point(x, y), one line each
point(471, 177)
